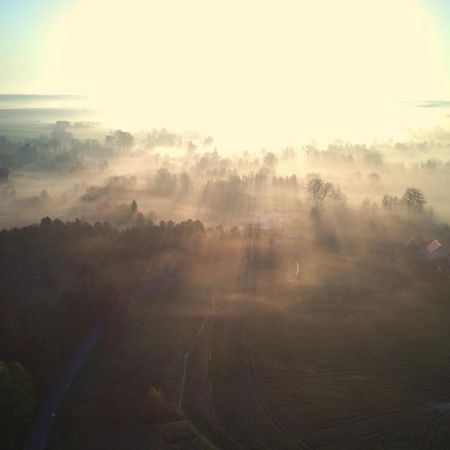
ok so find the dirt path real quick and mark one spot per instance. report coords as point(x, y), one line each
point(271, 417)
point(435, 425)
point(188, 353)
point(230, 406)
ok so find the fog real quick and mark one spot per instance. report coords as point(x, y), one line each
point(224, 225)
point(172, 175)
point(160, 242)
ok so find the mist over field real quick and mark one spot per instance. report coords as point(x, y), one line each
point(306, 283)
point(224, 225)
point(71, 167)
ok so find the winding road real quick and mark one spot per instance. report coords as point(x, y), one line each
point(46, 416)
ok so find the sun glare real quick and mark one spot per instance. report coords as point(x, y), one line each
point(284, 71)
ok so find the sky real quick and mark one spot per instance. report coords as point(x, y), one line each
point(242, 66)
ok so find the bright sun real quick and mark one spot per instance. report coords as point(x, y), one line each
point(280, 70)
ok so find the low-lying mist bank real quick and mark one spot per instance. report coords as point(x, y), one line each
point(162, 175)
point(130, 211)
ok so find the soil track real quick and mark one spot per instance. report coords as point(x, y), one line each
point(232, 409)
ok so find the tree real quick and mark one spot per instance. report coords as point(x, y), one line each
point(185, 183)
point(46, 222)
point(61, 135)
point(289, 153)
point(373, 178)
point(140, 220)
point(366, 204)
point(293, 183)
point(373, 158)
point(270, 160)
point(414, 199)
point(124, 139)
point(319, 191)
point(392, 202)
point(62, 124)
point(208, 141)
point(235, 233)
point(156, 408)
point(4, 174)
point(133, 207)
point(17, 404)
point(164, 183)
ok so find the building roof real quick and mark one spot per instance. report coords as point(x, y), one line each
point(435, 251)
point(433, 246)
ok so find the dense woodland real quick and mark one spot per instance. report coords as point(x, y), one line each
point(58, 279)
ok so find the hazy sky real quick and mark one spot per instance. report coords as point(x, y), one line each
point(246, 64)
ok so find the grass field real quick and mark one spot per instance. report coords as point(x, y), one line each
point(107, 406)
point(350, 354)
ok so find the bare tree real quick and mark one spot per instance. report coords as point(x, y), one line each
point(319, 191)
point(414, 199)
